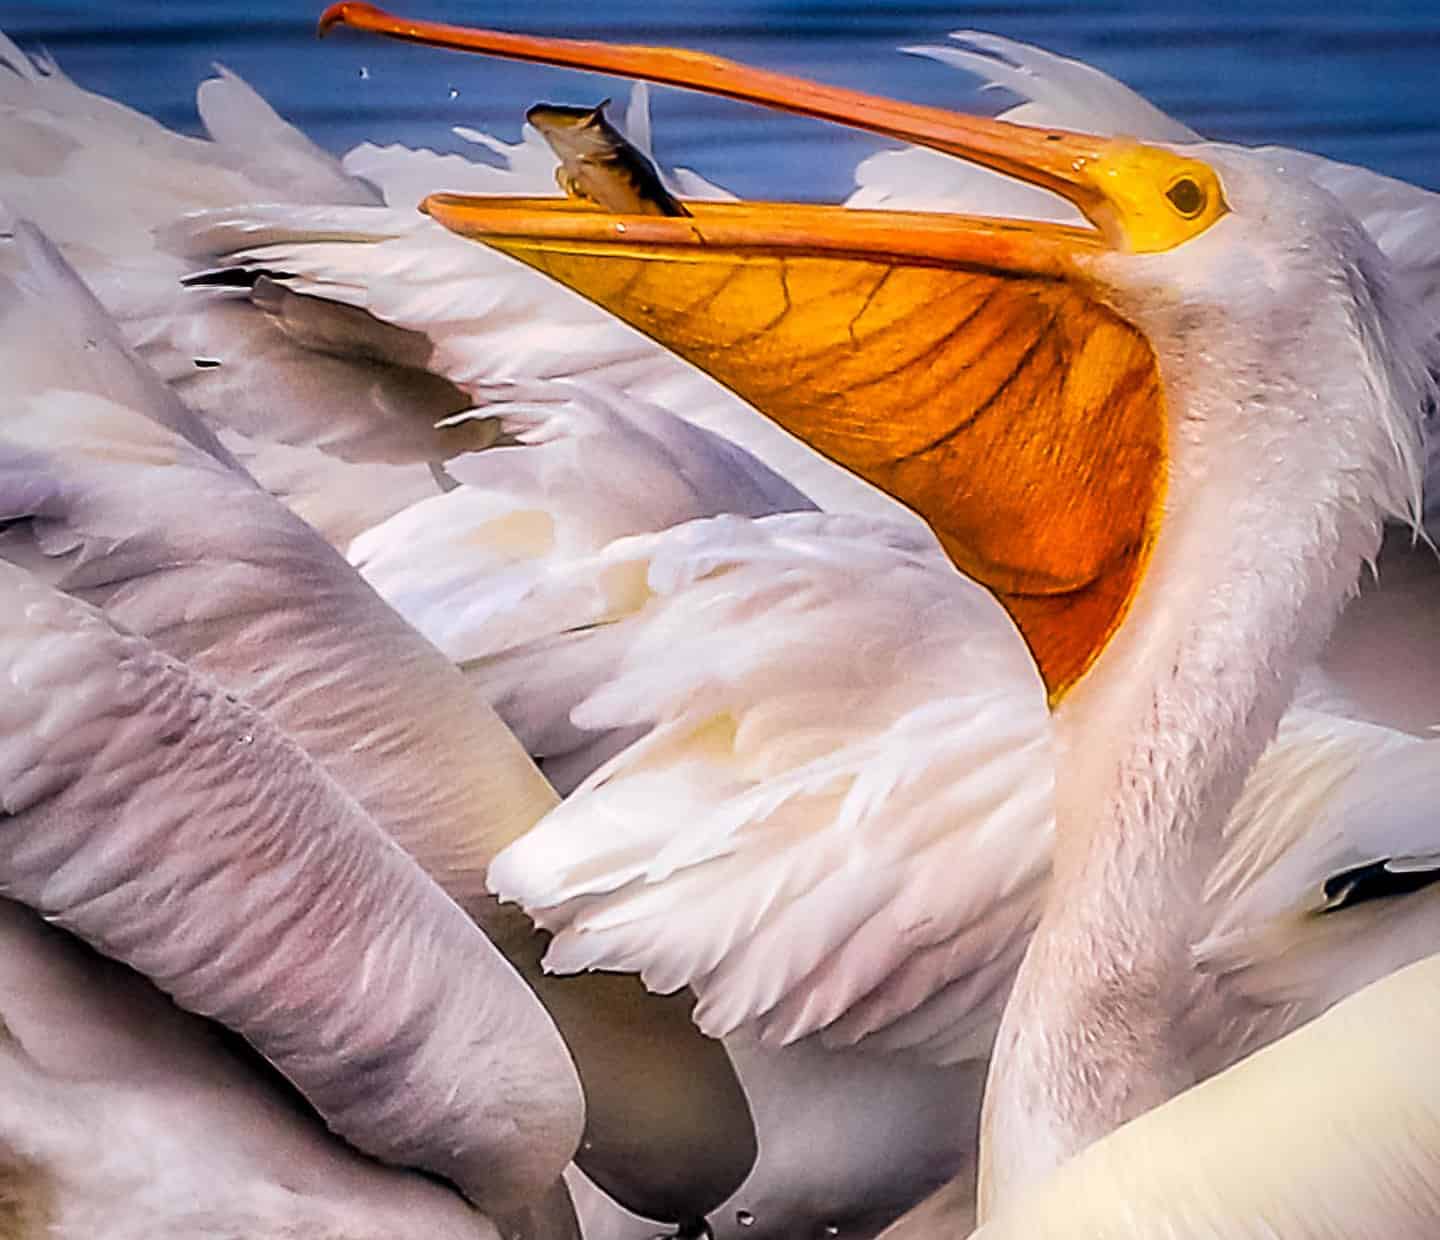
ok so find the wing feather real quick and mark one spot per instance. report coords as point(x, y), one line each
point(509, 574)
point(174, 828)
point(791, 833)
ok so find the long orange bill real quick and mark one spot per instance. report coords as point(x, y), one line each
point(965, 366)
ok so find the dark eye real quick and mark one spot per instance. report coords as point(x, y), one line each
point(1186, 197)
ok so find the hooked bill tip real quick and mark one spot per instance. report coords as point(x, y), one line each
point(340, 15)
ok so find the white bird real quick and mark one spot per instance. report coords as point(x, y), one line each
point(718, 562)
point(510, 616)
point(1274, 493)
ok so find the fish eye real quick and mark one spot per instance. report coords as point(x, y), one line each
point(1186, 197)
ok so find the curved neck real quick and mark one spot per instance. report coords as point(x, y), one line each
point(1258, 553)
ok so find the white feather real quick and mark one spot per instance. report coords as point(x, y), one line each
point(820, 803)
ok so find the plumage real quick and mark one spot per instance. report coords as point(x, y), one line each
point(152, 767)
point(815, 800)
point(478, 308)
point(121, 1115)
point(265, 398)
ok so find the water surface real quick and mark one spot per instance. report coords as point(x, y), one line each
point(1358, 86)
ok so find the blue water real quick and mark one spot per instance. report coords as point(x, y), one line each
point(1358, 86)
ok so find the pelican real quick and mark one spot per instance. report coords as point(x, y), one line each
point(432, 563)
point(1233, 487)
point(918, 549)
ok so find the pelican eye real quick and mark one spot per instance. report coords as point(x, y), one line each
point(1186, 197)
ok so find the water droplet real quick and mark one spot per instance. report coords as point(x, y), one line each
point(246, 738)
point(831, 1229)
point(744, 1218)
point(364, 74)
point(1078, 164)
point(454, 92)
point(619, 228)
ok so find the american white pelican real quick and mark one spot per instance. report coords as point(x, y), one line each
point(720, 559)
point(474, 618)
point(1167, 442)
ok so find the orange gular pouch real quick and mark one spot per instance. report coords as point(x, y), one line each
point(966, 366)
point(1020, 418)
